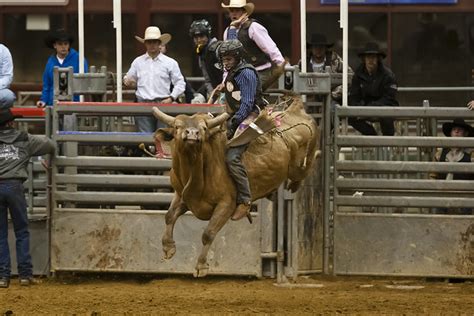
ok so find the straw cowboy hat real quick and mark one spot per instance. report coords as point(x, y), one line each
point(154, 33)
point(372, 48)
point(458, 122)
point(58, 35)
point(248, 7)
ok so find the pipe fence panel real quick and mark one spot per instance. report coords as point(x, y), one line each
point(390, 216)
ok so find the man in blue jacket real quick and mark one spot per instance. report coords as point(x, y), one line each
point(63, 56)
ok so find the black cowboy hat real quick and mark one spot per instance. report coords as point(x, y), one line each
point(318, 39)
point(372, 48)
point(458, 122)
point(58, 35)
point(6, 116)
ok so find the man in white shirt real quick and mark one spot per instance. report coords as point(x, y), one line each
point(153, 74)
point(7, 97)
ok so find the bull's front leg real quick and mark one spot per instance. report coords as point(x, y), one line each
point(221, 215)
point(176, 209)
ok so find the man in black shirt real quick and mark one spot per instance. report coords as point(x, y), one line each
point(373, 84)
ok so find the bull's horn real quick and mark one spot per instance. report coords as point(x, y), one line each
point(217, 120)
point(165, 118)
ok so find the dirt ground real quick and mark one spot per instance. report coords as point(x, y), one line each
point(93, 295)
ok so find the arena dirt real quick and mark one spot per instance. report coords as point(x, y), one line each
point(108, 295)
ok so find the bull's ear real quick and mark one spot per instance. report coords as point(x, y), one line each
point(215, 130)
point(164, 134)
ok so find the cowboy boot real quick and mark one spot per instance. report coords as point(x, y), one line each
point(242, 210)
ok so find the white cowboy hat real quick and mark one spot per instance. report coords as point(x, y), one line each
point(249, 7)
point(154, 33)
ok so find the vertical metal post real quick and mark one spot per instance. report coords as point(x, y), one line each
point(48, 114)
point(334, 210)
point(326, 178)
point(80, 28)
point(280, 233)
point(303, 34)
point(294, 237)
point(118, 41)
point(30, 188)
point(344, 24)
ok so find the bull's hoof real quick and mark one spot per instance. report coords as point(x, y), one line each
point(169, 248)
point(201, 270)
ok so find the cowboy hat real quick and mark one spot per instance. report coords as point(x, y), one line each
point(319, 40)
point(458, 122)
point(248, 7)
point(58, 35)
point(6, 116)
point(372, 48)
point(154, 33)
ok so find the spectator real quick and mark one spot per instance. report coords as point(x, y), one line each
point(206, 49)
point(470, 105)
point(16, 148)
point(259, 48)
point(7, 97)
point(153, 73)
point(373, 84)
point(243, 94)
point(457, 128)
point(321, 56)
point(64, 56)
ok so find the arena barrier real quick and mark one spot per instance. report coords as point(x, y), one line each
point(108, 212)
point(105, 209)
point(383, 206)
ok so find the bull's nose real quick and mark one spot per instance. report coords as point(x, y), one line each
point(192, 133)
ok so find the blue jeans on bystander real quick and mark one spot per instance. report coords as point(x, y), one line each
point(12, 197)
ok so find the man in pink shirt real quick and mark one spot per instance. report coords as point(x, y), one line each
point(260, 50)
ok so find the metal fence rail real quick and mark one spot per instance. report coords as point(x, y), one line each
point(396, 241)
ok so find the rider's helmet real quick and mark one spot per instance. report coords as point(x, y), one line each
point(231, 48)
point(199, 27)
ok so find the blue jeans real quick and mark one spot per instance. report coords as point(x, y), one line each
point(148, 124)
point(238, 173)
point(13, 198)
point(7, 98)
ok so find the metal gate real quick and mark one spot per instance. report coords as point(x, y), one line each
point(383, 205)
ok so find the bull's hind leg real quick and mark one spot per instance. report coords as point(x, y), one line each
point(176, 209)
point(220, 216)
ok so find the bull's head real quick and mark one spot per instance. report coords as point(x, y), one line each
point(189, 130)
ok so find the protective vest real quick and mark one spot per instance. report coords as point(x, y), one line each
point(253, 54)
point(456, 176)
point(232, 89)
point(209, 58)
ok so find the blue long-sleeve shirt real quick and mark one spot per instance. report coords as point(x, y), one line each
point(72, 59)
point(6, 67)
point(247, 81)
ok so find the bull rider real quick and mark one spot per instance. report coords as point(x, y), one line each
point(243, 94)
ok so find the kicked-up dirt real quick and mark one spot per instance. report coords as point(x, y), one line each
point(125, 294)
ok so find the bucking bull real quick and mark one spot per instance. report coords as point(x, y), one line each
point(199, 173)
